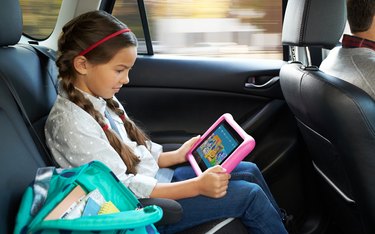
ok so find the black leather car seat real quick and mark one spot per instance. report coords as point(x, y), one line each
point(19, 156)
point(336, 119)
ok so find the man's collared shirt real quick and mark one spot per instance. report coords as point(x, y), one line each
point(349, 41)
point(354, 62)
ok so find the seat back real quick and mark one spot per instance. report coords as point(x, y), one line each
point(336, 119)
point(30, 72)
point(19, 159)
point(23, 68)
point(337, 122)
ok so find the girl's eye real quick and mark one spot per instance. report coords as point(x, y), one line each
point(119, 71)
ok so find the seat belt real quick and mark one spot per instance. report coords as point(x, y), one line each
point(112, 123)
point(25, 116)
point(45, 54)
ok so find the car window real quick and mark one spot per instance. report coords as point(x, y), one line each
point(216, 28)
point(127, 11)
point(39, 17)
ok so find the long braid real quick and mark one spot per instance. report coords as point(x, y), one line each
point(134, 133)
point(77, 98)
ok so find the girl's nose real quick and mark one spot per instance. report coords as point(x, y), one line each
point(125, 79)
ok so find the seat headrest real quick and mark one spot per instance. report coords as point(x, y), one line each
point(10, 22)
point(314, 23)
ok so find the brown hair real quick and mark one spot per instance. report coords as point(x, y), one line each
point(79, 34)
point(360, 14)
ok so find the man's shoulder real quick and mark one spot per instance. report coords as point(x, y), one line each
point(348, 57)
point(365, 60)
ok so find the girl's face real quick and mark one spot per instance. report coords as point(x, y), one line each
point(104, 80)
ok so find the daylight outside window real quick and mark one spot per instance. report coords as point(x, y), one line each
point(218, 28)
point(39, 17)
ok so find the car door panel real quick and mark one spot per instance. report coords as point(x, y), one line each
point(177, 98)
point(204, 73)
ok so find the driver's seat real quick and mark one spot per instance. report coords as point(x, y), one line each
point(335, 118)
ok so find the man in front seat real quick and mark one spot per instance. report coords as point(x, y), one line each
point(354, 62)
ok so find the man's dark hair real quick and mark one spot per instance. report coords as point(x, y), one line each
point(360, 14)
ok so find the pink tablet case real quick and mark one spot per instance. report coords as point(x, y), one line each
point(237, 155)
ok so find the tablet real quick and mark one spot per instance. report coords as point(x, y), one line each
point(225, 143)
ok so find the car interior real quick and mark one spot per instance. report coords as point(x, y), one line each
point(314, 132)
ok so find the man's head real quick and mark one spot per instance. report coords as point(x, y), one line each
point(360, 15)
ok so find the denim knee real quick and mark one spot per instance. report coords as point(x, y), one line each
point(256, 192)
point(247, 167)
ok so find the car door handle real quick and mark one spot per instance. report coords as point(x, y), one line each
point(255, 84)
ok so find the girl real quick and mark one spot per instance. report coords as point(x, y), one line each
point(95, 53)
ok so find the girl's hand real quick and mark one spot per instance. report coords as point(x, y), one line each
point(184, 149)
point(171, 158)
point(213, 182)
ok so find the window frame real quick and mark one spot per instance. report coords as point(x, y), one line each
point(108, 5)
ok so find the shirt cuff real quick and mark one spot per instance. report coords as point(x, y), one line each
point(155, 150)
point(141, 185)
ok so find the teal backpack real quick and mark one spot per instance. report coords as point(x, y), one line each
point(48, 191)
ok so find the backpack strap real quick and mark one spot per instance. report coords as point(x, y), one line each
point(40, 188)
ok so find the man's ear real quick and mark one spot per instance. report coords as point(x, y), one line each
point(80, 64)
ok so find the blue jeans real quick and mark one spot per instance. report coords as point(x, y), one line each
point(248, 198)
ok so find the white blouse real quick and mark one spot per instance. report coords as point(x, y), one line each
point(75, 138)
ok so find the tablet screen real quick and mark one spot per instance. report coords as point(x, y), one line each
point(217, 146)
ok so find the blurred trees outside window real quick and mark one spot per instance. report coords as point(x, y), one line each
point(216, 28)
point(39, 17)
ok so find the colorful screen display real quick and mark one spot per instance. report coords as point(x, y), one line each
point(217, 146)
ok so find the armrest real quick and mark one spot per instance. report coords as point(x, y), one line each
point(172, 210)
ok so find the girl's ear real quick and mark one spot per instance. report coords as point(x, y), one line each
point(80, 64)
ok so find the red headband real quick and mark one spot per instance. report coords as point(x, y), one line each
point(104, 40)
